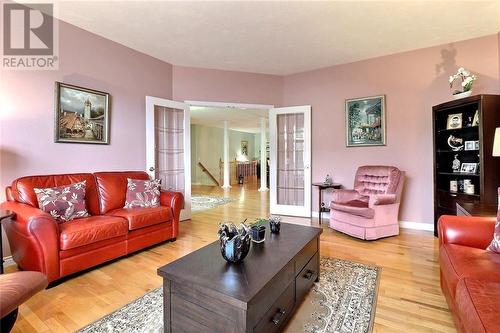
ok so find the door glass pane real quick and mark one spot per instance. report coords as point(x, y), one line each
point(290, 182)
point(169, 149)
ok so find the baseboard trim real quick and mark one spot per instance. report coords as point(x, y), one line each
point(402, 224)
point(416, 225)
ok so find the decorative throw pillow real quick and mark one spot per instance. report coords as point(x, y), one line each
point(495, 243)
point(142, 193)
point(64, 203)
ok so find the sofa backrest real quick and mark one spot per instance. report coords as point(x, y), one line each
point(112, 188)
point(22, 189)
point(378, 179)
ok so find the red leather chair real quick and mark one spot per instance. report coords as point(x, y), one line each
point(470, 275)
point(39, 243)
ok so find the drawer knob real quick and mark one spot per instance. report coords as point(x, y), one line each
point(309, 274)
point(278, 316)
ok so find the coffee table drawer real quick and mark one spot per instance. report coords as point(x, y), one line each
point(306, 277)
point(305, 255)
point(277, 314)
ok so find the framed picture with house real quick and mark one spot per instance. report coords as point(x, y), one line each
point(81, 115)
point(365, 121)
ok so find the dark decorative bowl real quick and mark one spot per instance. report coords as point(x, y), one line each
point(275, 224)
point(234, 242)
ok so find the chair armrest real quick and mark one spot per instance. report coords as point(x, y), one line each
point(382, 199)
point(343, 195)
point(175, 200)
point(34, 239)
point(469, 231)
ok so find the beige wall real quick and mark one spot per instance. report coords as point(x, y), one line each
point(207, 148)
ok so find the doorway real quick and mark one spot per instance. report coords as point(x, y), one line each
point(229, 151)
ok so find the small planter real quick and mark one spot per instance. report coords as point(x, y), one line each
point(258, 233)
point(275, 224)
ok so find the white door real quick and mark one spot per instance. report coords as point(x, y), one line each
point(168, 147)
point(290, 160)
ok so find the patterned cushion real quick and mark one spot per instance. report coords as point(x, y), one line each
point(64, 203)
point(142, 193)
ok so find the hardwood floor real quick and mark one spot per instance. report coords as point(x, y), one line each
point(409, 297)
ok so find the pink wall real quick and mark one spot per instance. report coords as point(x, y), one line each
point(90, 61)
point(213, 85)
point(413, 82)
point(27, 110)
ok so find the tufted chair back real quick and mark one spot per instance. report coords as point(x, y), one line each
point(378, 179)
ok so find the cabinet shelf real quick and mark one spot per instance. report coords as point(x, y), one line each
point(456, 130)
point(460, 194)
point(463, 174)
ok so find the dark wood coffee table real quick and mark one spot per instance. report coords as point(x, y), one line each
point(204, 293)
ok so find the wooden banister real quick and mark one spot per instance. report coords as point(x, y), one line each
point(204, 169)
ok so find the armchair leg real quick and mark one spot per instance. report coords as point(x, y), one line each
point(173, 239)
point(7, 322)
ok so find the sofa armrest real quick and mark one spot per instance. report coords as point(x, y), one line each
point(34, 239)
point(382, 199)
point(343, 195)
point(469, 231)
point(175, 200)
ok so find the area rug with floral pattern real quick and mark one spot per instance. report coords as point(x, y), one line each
point(200, 203)
point(343, 301)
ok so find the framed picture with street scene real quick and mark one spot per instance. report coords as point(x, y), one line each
point(365, 121)
point(81, 115)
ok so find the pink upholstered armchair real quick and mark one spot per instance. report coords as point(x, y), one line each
point(370, 210)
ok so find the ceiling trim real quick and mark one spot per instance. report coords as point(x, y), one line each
point(230, 105)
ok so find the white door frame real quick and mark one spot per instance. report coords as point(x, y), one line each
point(304, 211)
point(151, 101)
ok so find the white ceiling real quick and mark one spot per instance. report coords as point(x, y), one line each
point(243, 120)
point(280, 37)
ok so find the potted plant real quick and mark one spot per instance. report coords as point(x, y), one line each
point(467, 81)
point(258, 230)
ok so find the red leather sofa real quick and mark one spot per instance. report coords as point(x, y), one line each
point(470, 275)
point(39, 243)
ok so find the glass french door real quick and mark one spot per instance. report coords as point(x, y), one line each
point(290, 159)
point(168, 147)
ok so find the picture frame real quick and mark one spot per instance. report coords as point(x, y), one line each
point(365, 120)
point(468, 167)
point(81, 115)
point(454, 121)
point(475, 121)
point(471, 145)
point(244, 148)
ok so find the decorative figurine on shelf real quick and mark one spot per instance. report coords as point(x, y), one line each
point(455, 166)
point(469, 122)
point(328, 180)
point(455, 143)
point(234, 242)
point(275, 224)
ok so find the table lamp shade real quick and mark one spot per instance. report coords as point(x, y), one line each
point(496, 143)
